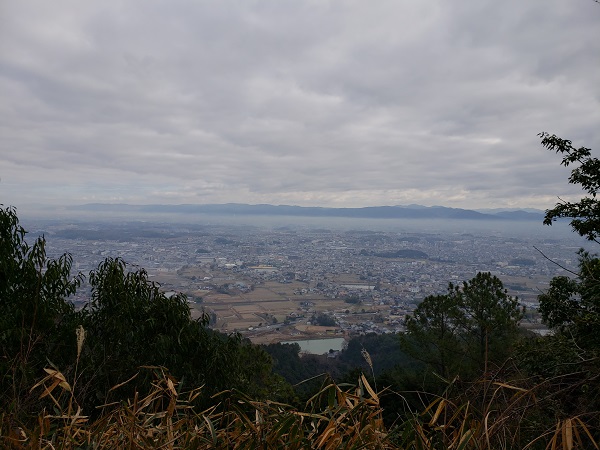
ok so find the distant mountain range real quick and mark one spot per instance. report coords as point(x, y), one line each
point(370, 212)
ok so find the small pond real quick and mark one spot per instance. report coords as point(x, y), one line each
point(318, 346)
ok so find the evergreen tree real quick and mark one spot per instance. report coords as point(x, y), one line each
point(490, 318)
point(464, 330)
point(433, 333)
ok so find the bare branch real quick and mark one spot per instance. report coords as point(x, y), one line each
point(554, 262)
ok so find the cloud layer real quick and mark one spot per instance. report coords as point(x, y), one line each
point(328, 103)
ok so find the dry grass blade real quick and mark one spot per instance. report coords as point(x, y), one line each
point(58, 379)
point(569, 434)
point(584, 427)
point(117, 386)
point(465, 439)
point(440, 408)
point(510, 386)
point(369, 389)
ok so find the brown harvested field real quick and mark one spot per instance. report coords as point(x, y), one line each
point(264, 308)
point(269, 305)
point(286, 305)
point(263, 293)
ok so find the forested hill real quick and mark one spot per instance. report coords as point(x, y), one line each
point(372, 212)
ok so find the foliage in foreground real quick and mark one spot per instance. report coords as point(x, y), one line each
point(336, 417)
point(130, 323)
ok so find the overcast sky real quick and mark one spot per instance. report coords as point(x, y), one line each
point(330, 103)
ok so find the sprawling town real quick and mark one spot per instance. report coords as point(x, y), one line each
point(274, 284)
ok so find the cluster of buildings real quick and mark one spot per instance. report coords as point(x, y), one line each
point(361, 269)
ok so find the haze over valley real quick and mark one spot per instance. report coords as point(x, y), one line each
point(277, 278)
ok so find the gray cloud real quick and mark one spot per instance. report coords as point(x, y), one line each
point(333, 103)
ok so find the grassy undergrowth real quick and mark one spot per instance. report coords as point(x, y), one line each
point(491, 415)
